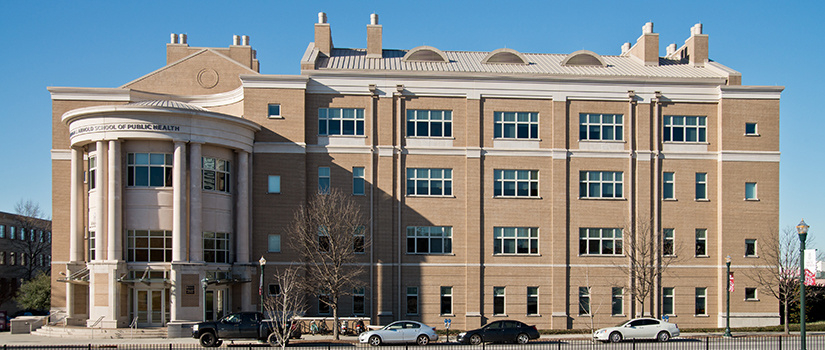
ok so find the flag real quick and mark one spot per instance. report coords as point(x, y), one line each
point(261, 285)
point(810, 278)
point(730, 283)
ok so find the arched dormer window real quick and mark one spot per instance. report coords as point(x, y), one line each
point(425, 54)
point(505, 56)
point(583, 58)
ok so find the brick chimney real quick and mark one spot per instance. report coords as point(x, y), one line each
point(696, 47)
point(647, 46)
point(323, 35)
point(177, 48)
point(374, 45)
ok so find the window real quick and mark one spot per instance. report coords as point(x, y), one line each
point(341, 121)
point(750, 294)
point(667, 241)
point(358, 240)
point(323, 179)
point(532, 301)
point(498, 300)
point(701, 242)
point(92, 172)
point(600, 184)
point(412, 300)
point(750, 191)
point(216, 247)
point(216, 174)
point(701, 301)
point(701, 186)
point(358, 181)
point(358, 301)
point(2, 231)
point(12, 258)
point(617, 301)
point(516, 125)
point(273, 184)
point(668, 186)
point(274, 243)
point(584, 300)
point(750, 129)
point(11, 232)
point(2, 258)
point(446, 300)
point(685, 129)
point(426, 123)
point(667, 301)
point(600, 241)
point(149, 169)
point(274, 289)
point(429, 240)
point(149, 245)
point(429, 182)
point(274, 110)
point(91, 245)
point(515, 240)
point(750, 248)
point(323, 239)
point(600, 127)
point(516, 183)
point(323, 304)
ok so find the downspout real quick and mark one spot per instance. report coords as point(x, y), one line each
point(631, 193)
point(399, 170)
point(372, 201)
point(656, 219)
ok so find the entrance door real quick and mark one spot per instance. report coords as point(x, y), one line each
point(215, 304)
point(151, 307)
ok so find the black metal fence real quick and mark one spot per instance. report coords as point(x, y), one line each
point(705, 343)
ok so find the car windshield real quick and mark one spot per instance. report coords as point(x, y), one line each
point(396, 325)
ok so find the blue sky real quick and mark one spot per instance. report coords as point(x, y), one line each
point(109, 43)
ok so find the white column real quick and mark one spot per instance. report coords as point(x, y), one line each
point(242, 209)
point(114, 245)
point(178, 202)
point(100, 201)
point(195, 203)
point(75, 205)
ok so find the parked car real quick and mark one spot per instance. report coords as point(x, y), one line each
point(241, 325)
point(500, 331)
point(400, 332)
point(638, 328)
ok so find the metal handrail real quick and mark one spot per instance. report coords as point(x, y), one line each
point(133, 326)
point(95, 324)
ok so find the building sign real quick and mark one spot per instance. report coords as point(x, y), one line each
point(190, 289)
point(150, 127)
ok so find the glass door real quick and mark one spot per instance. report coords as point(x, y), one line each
point(216, 301)
point(151, 307)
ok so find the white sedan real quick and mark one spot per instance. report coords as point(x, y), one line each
point(638, 328)
point(400, 332)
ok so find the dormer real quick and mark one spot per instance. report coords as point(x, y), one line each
point(583, 58)
point(505, 56)
point(425, 54)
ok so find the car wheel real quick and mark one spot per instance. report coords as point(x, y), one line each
point(475, 339)
point(375, 340)
point(663, 336)
point(522, 338)
point(422, 340)
point(615, 337)
point(208, 339)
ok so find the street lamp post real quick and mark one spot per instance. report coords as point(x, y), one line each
point(802, 229)
point(727, 303)
point(204, 283)
point(261, 286)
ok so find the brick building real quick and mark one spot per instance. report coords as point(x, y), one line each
point(25, 250)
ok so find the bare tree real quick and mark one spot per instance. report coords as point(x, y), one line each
point(585, 302)
point(33, 243)
point(328, 232)
point(288, 302)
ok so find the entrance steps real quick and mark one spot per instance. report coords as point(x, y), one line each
point(100, 333)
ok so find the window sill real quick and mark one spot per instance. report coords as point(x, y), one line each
point(670, 200)
point(702, 200)
point(622, 315)
point(685, 143)
point(500, 315)
point(751, 199)
point(602, 255)
point(441, 254)
point(514, 139)
point(275, 117)
point(515, 254)
point(272, 192)
point(431, 137)
point(427, 196)
point(752, 135)
point(603, 198)
point(701, 315)
point(701, 256)
point(343, 136)
point(751, 300)
point(447, 315)
point(516, 197)
point(751, 256)
point(533, 315)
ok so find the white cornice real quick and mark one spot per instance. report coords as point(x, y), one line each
point(280, 147)
point(274, 81)
point(751, 92)
point(130, 95)
point(61, 154)
point(89, 94)
point(749, 156)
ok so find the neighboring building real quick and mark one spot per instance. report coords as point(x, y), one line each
point(25, 250)
point(497, 184)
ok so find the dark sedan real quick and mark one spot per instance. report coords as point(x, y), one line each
point(500, 331)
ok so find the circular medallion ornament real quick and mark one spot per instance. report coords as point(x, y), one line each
point(208, 78)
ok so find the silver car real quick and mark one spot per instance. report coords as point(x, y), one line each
point(400, 332)
point(638, 328)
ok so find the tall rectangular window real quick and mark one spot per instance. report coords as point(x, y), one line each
point(584, 300)
point(2, 231)
point(750, 191)
point(498, 301)
point(216, 247)
point(323, 179)
point(429, 123)
point(358, 301)
point(600, 241)
point(324, 300)
point(532, 300)
point(11, 232)
point(429, 182)
point(358, 182)
point(701, 242)
point(216, 174)
point(412, 300)
point(273, 184)
point(516, 183)
point(446, 300)
point(685, 129)
point(668, 186)
point(667, 301)
point(149, 169)
point(701, 301)
point(2, 259)
point(600, 127)
point(617, 301)
point(274, 110)
point(515, 240)
point(600, 184)
point(701, 186)
point(429, 240)
point(341, 121)
point(274, 243)
point(91, 245)
point(358, 241)
point(750, 129)
point(750, 248)
point(12, 258)
point(92, 172)
point(516, 125)
point(667, 241)
point(149, 246)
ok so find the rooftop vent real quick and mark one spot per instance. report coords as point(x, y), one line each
point(505, 56)
point(583, 58)
point(425, 54)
